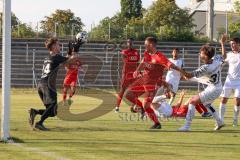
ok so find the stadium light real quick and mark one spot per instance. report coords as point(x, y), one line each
point(6, 70)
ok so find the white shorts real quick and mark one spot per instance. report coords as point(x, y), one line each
point(164, 110)
point(231, 87)
point(210, 94)
point(174, 84)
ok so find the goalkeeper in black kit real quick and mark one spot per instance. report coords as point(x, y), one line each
point(47, 85)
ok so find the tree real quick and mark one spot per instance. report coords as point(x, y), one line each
point(22, 30)
point(234, 27)
point(131, 8)
point(166, 12)
point(137, 8)
point(19, 29)
point(14, 20)
point(165, 17)
point(117, 25)
point(64, 21)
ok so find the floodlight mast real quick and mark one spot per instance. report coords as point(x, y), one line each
point(6, 70)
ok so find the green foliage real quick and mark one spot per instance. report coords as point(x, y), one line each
point(64, 21)
point(23, 31)
point(19, 29)
point(165, 14)
point(117, 26)
point(234, 27)
point(168, 33)
point(137, 8)
point(237, 6)
point(220, 32)
point(131, 8)
point(14, 20)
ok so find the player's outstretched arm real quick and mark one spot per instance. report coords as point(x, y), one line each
point(185, 74)
point(222, 42)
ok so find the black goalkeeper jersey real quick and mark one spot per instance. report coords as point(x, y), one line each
point(50, 69)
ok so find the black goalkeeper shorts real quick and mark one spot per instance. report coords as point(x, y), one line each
point(47, 95)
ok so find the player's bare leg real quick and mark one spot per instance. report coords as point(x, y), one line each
point(119, 98)
point(65, 90)
point(172, 98)
point(71, 94)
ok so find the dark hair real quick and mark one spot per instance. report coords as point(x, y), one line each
point(152, 40)
point(209, 51)
point(130, 39)
point(50, 42)
point(176, 49)
point(236, 39)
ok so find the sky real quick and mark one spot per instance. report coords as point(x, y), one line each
point(90, 11)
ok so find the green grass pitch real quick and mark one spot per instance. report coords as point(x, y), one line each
point(115, 136)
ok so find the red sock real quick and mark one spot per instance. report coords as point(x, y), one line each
point(152, 115)
point(203, 107)
point(64, 96)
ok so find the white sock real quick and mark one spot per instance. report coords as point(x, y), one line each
point(215, 115)
point(222, 109)
point(236, 112)
point(190, 115)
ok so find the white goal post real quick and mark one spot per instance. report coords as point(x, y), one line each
point(6, 70)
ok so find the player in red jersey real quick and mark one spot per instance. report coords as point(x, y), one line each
point(131, 59)
point(70, 80)
point(153, 65)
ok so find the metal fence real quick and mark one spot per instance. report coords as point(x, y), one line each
point(103, 63)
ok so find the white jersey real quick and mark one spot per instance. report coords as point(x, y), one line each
point(173, 74)
point(233, 59)
point(210, 74)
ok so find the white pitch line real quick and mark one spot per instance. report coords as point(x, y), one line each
point(39, 151)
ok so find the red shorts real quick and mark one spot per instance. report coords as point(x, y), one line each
point(144, 84)
point(180, 112)
point(145, 87)
point(70, 82)
point(126, 82)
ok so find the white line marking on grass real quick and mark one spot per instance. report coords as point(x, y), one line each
point(39, 151)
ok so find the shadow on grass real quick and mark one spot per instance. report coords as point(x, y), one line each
point(12, 140)
point(104, 129)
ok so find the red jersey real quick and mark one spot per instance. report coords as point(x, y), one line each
point(72, 72)
point(155, 64)
point(130, 62)
point(180, 111)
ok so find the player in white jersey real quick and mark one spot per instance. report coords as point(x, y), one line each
point(210, 74)
point(232, 82)
point(173, 77)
